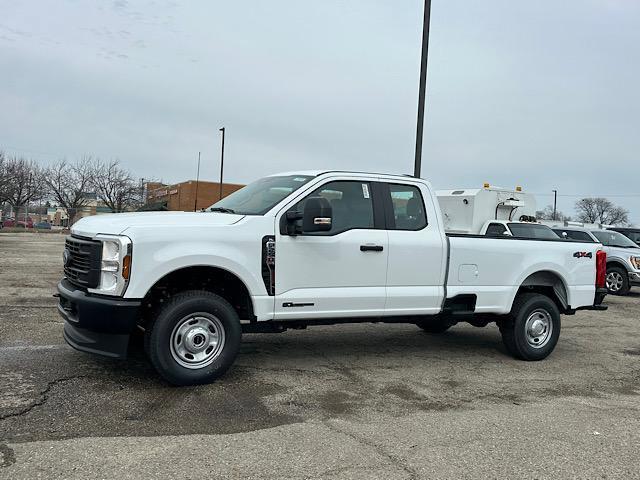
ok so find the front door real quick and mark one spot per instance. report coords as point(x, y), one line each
point(339, 273)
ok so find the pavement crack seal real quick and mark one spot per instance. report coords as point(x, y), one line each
point(394, 460)
point(43, 397)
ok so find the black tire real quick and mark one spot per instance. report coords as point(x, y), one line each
point(621, 285)
point(534, 318)
point(216, 319)
point(434, 325)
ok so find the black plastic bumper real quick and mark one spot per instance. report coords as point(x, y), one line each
point(96, 324)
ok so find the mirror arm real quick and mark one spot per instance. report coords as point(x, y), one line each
point(290, 223)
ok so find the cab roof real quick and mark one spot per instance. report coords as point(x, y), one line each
point(316, 173)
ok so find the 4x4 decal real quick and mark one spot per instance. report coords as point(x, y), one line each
point(583, 255)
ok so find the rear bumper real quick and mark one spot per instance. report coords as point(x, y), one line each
point(597, 302)
point(95, 324)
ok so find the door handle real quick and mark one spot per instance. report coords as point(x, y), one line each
point(371, 248)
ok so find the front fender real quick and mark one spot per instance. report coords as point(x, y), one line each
point(148, 268)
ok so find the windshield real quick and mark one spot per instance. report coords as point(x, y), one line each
point(609, 238)
point(259, 197)
point(532, 230)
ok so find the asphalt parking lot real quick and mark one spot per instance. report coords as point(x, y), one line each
point(355, 401)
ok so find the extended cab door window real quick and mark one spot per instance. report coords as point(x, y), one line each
point(408, 208)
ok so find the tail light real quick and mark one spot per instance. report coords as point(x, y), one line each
point(601, 269)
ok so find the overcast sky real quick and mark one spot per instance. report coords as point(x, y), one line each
point(545, 94)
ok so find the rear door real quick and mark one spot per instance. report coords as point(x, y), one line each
point(339, 273)
point(416, 271)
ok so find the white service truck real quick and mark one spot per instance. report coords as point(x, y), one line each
point(492, 211)
point(310, 248)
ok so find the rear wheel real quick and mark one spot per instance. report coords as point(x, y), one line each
point(532, 330)
point(194, 339)
point(617, 281)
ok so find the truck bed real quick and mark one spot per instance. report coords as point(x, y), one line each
point(494, 268)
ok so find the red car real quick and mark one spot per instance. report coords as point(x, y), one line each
point(11, 222)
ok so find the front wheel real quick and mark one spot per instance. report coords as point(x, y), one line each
point(194, 339)
point(617, 281)
point(532, 330)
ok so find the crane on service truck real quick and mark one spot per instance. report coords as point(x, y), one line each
point(309, 248)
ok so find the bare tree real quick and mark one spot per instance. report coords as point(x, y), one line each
point(69, 184)
point(22, 181)
point(547, 214)
point(115, 187)
point(601, 210)
point(4, 179)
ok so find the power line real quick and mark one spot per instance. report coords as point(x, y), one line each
point(590, 195)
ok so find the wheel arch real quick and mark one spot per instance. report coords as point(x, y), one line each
point(214, 279)
point(616, 263)
point(548, 283)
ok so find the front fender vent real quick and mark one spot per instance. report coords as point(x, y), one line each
point(269, 263)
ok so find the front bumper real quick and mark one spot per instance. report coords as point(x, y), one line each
point(95, 324)
point(634, 279)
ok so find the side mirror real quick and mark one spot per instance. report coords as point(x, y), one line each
point(317, 215)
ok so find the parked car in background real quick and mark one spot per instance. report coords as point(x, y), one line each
point(12, 223)
point(497, 228)
point(623, 256)
point(632, 233)
point(43, 226)
point(623, 261)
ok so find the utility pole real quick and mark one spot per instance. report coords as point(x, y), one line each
point(221, 162)
point(195, 202)
point(423, 86)
point(555, 203)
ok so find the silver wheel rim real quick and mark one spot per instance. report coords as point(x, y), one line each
point(538, 328)
point(197, 340)
point(614, 281)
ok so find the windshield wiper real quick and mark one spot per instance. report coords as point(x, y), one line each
point(222, 209)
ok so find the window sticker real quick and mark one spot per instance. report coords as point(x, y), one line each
point(365, 190)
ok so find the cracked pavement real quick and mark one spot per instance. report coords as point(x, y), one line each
point(352, 401)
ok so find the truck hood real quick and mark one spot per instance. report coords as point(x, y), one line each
point(624, 253)
point(117, 223)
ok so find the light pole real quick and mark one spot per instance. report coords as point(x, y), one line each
point(195, 202)
point(423, 86)
point(555, 202)
point(221, 162)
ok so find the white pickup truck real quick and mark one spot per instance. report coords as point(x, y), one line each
point(310, 248)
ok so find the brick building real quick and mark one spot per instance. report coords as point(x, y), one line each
point(182, 196)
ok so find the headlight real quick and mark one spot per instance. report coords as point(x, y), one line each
point(635, 261)
point(115, 267)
